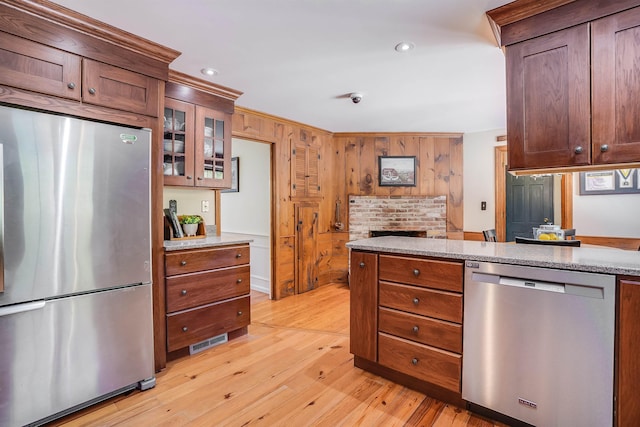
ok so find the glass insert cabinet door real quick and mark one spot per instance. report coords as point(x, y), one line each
point(213, 148)
point(178, 143)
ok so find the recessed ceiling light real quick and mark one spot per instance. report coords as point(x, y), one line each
point(209, 72)
point(404, 46)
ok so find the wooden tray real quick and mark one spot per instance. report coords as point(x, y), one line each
point(201, 233)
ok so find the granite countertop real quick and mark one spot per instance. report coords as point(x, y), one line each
point(597, 260)
point(208, 242)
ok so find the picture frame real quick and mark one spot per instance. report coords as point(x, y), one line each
point(618, 181)
point(397, 171)
point(235, 176)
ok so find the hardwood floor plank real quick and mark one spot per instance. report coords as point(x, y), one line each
point(293, 368)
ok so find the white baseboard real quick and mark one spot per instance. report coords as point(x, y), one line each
point(260, 284)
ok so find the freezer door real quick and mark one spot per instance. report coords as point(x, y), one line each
point(76, 205)
point(72, 350)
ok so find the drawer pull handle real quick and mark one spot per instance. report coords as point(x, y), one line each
point(189, 177)
point(416, 301)
point(604, 148)
point(71, 85)
point(416, 272)
point(239, 313)
point(362, 265)
point(238, 255)
point(415, 329)
point(92, 91)
point(183, 292)
point(183, 263)
point(414, 361)
point(199, 178)
point(578, 150)
point(239, 281)
point(185, 329)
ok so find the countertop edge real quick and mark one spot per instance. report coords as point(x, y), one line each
point(225, 239)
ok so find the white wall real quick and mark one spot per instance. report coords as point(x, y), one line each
point(605, 215)
point(190, 202)
point(479, 178)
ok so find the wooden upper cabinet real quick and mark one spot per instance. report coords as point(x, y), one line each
point(616, 88)
point(117, 88)
point(212, 162)
point(178, 143)
point(548, 117)
point(32, 66)
point(305, 166)
point(572, 94)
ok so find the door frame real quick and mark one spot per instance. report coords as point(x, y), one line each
point(566, 195)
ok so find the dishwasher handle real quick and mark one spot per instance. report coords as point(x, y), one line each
point(538, 285)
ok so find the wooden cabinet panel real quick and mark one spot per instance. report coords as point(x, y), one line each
point(305, 166)
point(189, 290)
point(29, 65)
point(114, 87)
point(628, 341)
point(363, 284)
point(212, 162)
point(306, 247)
point(191, 326)
point(425, 330)
point(548, 100)
point(616, 87)
point(181, 262)
point(435, 274)
point(178, 143)
point(429, 364)
point(426, 302)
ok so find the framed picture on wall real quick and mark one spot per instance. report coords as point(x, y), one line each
point(619, 181)
point(235, 176)
point(397, 171)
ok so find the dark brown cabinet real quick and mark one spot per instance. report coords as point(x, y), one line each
point(572, 95)
point(363, 285)
point(628, 342)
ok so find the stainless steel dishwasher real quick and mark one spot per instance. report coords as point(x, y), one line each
point(538, 344)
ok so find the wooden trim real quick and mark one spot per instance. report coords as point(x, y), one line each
point(474, 235)
point(218, 216)
point(390, 134)
point(280, 120)
point(627, 243)
point(203, 85)
point(500, 192)
point(566, 196)
point(94, 28)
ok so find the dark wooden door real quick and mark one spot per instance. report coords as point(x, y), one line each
point(529, 204)
point(307, 247)
point(616, 88)
point(548, 100)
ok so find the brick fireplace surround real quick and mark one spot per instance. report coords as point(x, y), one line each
point(427, 214)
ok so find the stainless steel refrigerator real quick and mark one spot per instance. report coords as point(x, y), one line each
point(75, 292)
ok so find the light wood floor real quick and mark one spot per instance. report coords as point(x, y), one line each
point(292, 369)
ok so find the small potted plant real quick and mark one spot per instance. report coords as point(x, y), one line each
point(190, 224)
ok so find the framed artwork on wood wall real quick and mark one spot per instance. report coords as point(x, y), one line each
point(397, 171)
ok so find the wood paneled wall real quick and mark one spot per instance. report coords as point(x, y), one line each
point(348, 165)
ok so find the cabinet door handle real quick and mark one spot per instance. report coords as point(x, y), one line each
point(416, 301)
point(92, 91)
point(414, 361)
point(183, 263)
point(604, 148)
point(185, 329)
point(71, 85)
point(239, 313)
point(415, 329)
point(239, 281)
point(238, 255)
point(199, 178)
point(578, 150)
point(362, 265)
point(183, 292)
point(189, 177)
point(416, 272)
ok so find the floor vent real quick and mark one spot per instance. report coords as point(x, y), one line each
point(211, 342)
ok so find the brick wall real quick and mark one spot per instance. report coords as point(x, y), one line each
point(405, 213)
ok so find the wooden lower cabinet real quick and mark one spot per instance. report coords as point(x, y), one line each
point(627, 404)
point(207, 293)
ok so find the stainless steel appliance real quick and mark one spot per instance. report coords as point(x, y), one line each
point(75, 291)
point(539, 344)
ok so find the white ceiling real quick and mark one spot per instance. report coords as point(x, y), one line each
point(300, 59)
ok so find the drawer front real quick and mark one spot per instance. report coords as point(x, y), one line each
point(429, 364)
point(194, 289)
point(425, 302)
point(425, 330)
point(445, 275)
point(192, 326)
point(181, 262)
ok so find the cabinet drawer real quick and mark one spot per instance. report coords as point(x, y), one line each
point(191, 326)
point(194, 289)
point(182, 262)
point(29, 65)
point(445, 275)
point(118, 88)
point(425, 330)
point(438, 304)
point(426, 363)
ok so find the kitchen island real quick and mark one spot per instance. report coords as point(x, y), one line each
point(408, 296)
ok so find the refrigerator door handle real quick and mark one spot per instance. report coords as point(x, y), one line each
point(21, 308)
point(1, 218)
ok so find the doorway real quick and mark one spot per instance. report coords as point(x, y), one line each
point(529, 203)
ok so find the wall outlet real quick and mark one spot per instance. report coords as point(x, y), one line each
point(205, 206)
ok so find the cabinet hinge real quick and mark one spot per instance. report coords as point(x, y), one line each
point(293, 186)
point(294, 152)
